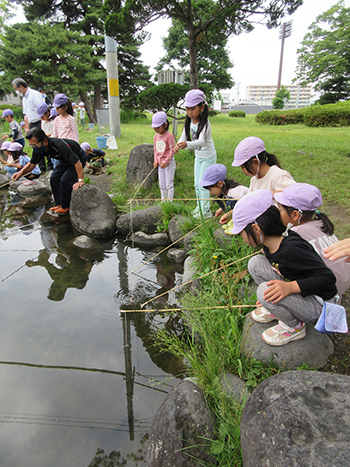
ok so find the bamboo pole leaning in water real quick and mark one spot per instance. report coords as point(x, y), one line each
point(159, 310)
point(141, 185)
point(200, 277)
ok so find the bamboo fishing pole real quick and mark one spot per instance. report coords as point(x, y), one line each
point(200, 277)
point(141, 185)
point(179, 309)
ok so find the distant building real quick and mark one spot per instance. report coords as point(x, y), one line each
point(263, 95)
point(10, 99)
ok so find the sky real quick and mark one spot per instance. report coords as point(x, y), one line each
point(256, 55)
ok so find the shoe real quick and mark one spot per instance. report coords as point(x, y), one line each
point(261, 315)
point(62, 211)
point(29, 182)
point(54, 208)
point(281, 334)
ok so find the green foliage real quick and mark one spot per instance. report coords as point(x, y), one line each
point(236, 113)
point(281, 98)
point(162, 97)
point(129, 115)
point(280, 117)
point(324, 58)
point(213, 113)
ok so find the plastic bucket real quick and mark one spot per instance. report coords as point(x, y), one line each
point(101, 142)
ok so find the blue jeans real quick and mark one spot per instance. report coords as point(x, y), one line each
point(200, 166)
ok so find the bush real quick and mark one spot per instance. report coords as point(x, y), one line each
point(281, 117)
point(129, 115)
point(236, 113)
point(213, 113)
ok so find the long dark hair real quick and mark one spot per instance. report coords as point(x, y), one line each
point(228, 184)
point(269, 222)
point(203, 120)
point(69, 108)
point(327, 225)
point(264, 156)
point(16, 154)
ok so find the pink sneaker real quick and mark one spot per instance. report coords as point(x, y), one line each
point(281, 334)
point(261, 315)
point(29, 182)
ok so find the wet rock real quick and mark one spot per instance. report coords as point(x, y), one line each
point(176, 230)
point(189, 241)
point(144, 240)
point(314, 349)
point(32, 190)
point(90, 249)
point(298, 418)
point(139, 166)
point(189, 274)
point(86, 242)
point(180, 428)
point(144, 220)
point(234, 386)
point(92, 212)
point(177, 255)
point(223, 240)
point(4, 179)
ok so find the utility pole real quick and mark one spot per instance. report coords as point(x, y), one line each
point(113, 86)
point(285, 31)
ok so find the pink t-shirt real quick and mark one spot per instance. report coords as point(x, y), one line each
point(164, 147)
point(276, 179)
point(65, 127)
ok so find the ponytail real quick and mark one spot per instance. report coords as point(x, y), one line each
point(327, 225)
point(264, 156)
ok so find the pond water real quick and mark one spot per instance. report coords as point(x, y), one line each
point(79, 380)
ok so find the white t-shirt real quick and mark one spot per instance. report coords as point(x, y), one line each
point(276, 179)
point(203, 146)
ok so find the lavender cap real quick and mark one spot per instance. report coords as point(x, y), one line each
point(7, 113)
point(300, 196)
point(194, 97)
point(248, 148)
point(53, 112)
point(60, 99)
point(22, 123)
point(81, 104)
point(85, 146)
point(159, 119)
point(74, 104)
point(213, 174)
point(5, 145)
point(15, 147)
point(41, 109)
point(249, 208)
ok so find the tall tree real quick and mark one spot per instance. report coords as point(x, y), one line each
point(213, 61)
point(282, 96)
point(197, 17)
point(324, 58)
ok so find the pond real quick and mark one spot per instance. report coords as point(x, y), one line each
point(79, 380)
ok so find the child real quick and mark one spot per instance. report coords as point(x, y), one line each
point(65, 125)
point(82, 113)
point(19, 159)
point(47, 121)
point(164, 147)
point(95, 158)
point(298, 205)
point(16, 131)
point(292, 279)
point(75, 110)
point(263, 168)
point(197, 135)
point(4, 151)
point(214, 179)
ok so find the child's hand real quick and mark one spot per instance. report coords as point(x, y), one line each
point(5, 137)
point(155, 164)
point(219, 212)
point(280, 289)
point(338, 250)
point(225, 218)
point(163, 166)
point(182, 145)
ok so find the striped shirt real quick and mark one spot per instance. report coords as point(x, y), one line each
point(65, 127)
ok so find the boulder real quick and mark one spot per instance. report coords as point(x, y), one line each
point(179, 431)
point(189, 241)
point(144, 220)
point(144, 240)
point(91, 249)
point(177, 255)
point(92, 212)
point(298, 419)
point(32, 190)
point(139, 166)
point(189, 272)
point(314, 349)
point(234, 387)
point(176, 231)
point(222, 239)
point(4, 179)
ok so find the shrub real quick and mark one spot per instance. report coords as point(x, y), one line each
point(236, 113)
point(213, 113)
point(129, 115)
point(281, 117)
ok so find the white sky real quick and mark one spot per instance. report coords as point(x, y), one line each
point(256, 55)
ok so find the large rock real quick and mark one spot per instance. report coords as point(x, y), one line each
point(314, 349)
point(298, 419)
point(4, 180)
point(144, 240)
point(180, 429)
point(176, 230)
point(139, 166)
point(92, 212)
point(144, 220)
point(223, 240)
point(189, 274)
point(32, 190)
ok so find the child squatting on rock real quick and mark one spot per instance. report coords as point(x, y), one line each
point(164, 150)
point(197, 135)
point(293, 281)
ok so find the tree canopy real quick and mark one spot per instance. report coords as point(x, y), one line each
point(282, 96)
point(324, 58)
point(197, 17)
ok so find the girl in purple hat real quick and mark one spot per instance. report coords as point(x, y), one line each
point(164, 150)
point(197, 135)
point(293, 281)
point(298, 205)
point(17, 160)
point(65, 125)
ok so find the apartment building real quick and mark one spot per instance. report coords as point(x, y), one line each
point(263, 95)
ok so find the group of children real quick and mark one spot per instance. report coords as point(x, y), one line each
point(299, 270)
point(57, 122)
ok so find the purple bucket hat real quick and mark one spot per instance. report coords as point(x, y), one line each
point(249, 208)
point(159, 119)
point(213, 174)
point(246, 149)
point(194, 97)
point(300, 196)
